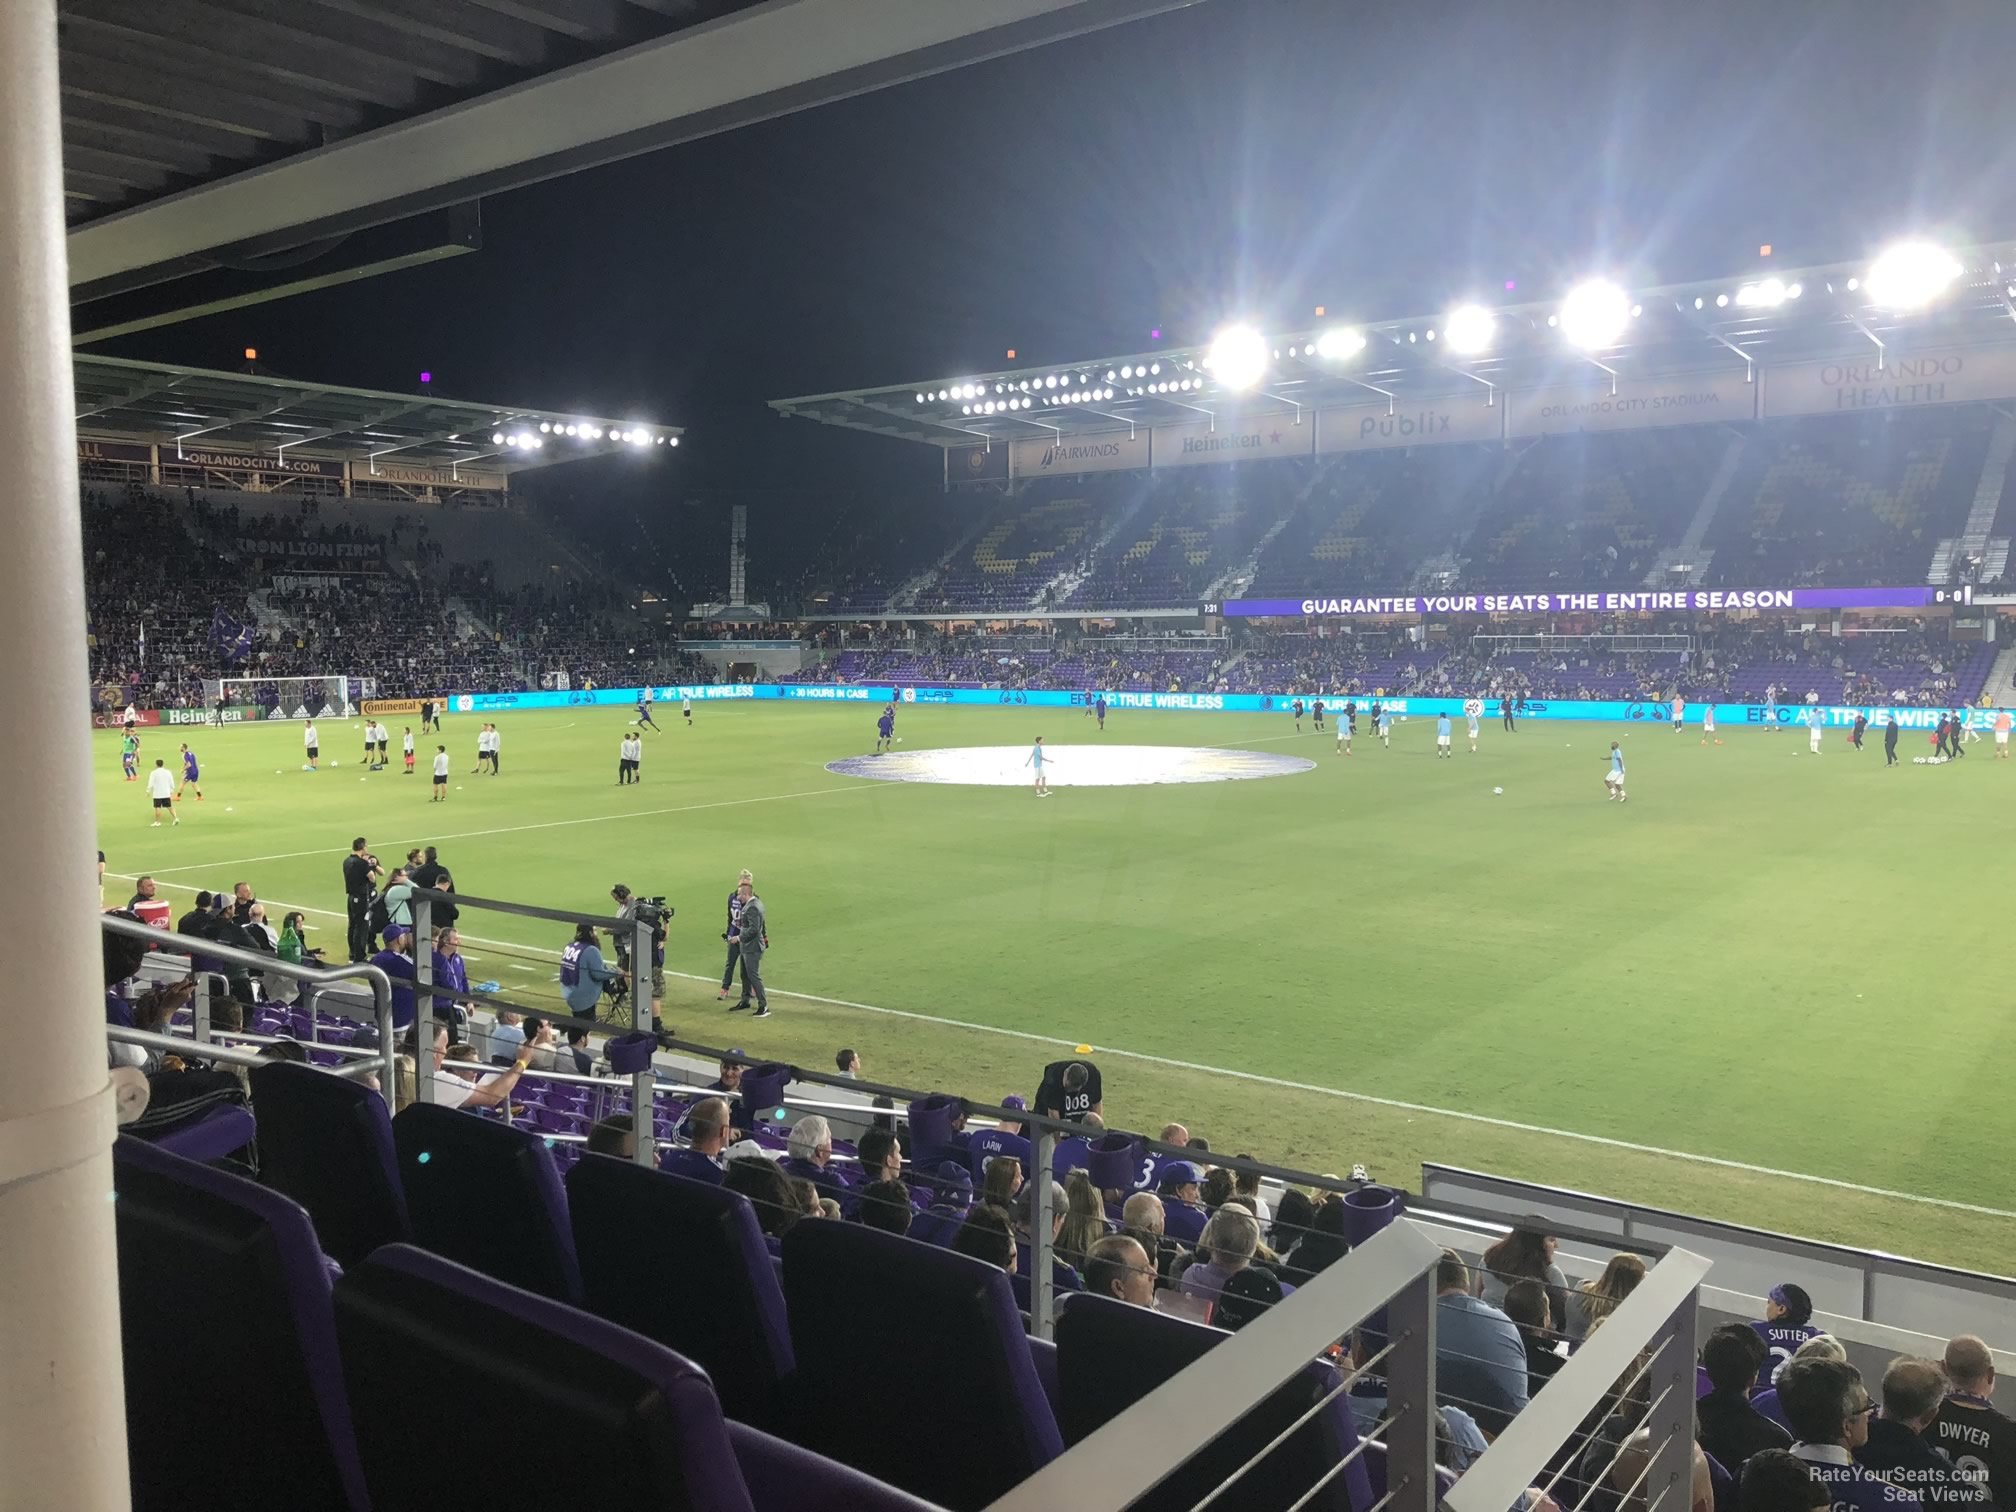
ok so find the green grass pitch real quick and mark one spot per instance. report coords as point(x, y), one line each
point(1763, 958)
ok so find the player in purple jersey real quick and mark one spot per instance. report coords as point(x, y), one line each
point(885, 730)
point(1317, 713)
point(1099, 708)
point(1786, 1324)
point(190, 775)
point(1298, 716)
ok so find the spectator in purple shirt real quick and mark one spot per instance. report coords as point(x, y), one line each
point(1829, 1411)
point(1225, 1248)
point(1787, 1323)
point(1182, 1211)
point(708, 1132)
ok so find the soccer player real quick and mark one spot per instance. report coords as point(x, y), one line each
point(1036, 760)
point(1347, 726)
point(161, 788)
point(1861, 724)
point(1099, 708)
point(496, 744)
point(370, 740)
point(885, 729)
point(1317, 711)
point(1613, 780)
point(1816, 728)
point(311, 743)
point(190, 775)
point(1708, 723)
point(1505, 713)
point(1679, 713)
point(1298, 716)
point(384, 745)
point(129, 755)
point(1890, 742)
point(1771, 708)
point(2002, 723)
point(1442, 750)
point(1968, 732)
point(482, 750)
point(131, 720)
point(685, 707)
point(440, 775)
point(1473, 710)
point(1955, 732)
point(644, 721)
point(1386, 727)
point(406, 748)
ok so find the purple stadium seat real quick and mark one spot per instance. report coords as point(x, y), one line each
point(275, 1429)
point(1111, 1354)
point(710, 1290)
point(211, 1137)
point(433, 1350)
point(880, 1325)
point(488, 1196)
point(326, 1142)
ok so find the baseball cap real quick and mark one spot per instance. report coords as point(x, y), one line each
point(1181, 1173)
point(1016, 1101)
point(1247, 1295)
point(395, 931)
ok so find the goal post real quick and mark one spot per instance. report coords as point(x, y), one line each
point(335, 696)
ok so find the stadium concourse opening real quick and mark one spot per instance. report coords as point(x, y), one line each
point(1072, 766)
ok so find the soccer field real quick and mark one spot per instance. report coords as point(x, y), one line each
point(1763, 990)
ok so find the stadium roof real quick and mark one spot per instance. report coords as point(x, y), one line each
point(207, 132)
point(184, 407)
point(1732, 324)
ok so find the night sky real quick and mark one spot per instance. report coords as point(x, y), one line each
point(1249, 158)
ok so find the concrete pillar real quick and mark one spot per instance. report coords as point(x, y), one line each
point(62, 1412)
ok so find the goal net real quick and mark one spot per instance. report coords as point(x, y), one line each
point(334, 697)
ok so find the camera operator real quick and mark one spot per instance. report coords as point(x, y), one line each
point(627, 906)
point(360, 873)
point(582, 974)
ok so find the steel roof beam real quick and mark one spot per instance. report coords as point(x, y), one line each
point(753, 64)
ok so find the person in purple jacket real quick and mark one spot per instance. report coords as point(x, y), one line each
point(1829, 1410)
point(1787, 1323)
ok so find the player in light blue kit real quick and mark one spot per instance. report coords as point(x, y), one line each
point(1036, 760)
point(1442, 735)
point(1613, 780)
point(1386, 727)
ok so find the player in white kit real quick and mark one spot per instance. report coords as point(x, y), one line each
point(1708, 723)
point(161, 788)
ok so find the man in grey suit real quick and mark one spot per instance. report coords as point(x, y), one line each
point(751, 936)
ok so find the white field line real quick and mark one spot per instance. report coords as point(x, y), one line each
point(1367, 1098)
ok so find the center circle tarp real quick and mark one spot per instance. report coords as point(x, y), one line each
point(1072, 766)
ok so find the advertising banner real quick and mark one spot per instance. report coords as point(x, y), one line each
point(1624, 601)
point(372, 708)
point(1908, 378)
point(1730, 715)
point(1041, 457)
point(257, 462)
point(582, 698)
point(112, 451)
point(428, 477)
point(1233, 439)
point(116, 719)
point(1637, 404)
point(1414, 422)
point(232, 714)
point(976, 464)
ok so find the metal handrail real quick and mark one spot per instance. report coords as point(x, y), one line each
point(371, 976)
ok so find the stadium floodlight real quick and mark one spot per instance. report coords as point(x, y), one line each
point(1594, 314)
point(1468, 330)
point(1239, 357)
point(920, 398)
point(544, 427)
point(1127, 372)
point(671, 440)
point(497, 438)
point(1340, 342)
point(1050, 382)
point(1111, 375)
point(1765, 294)
point(1911, 275)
